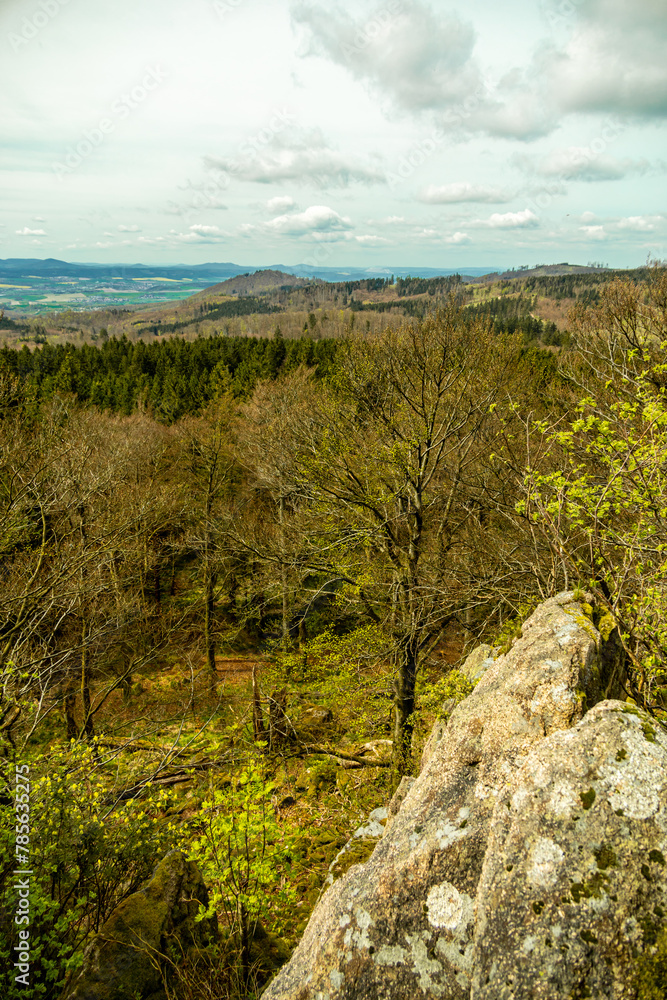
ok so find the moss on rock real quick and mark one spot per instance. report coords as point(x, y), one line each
point(126, 958)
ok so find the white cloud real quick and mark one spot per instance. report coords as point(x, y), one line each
point(196, 235)
point(202, 230)
point(405, 51)
point(318, 221)
point(583, 163)
point(30, 232)
point(613, 61)
point(129, 229)
point(639, 223)
point(283, 203)
point(462, 191)
point(458, 238)
point(300, 155)
point(199, 234)
point(594, 232)
point(526, 219)
point(424, 60)
point(371, 241)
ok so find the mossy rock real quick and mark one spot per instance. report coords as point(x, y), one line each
point(315, 719)
point(267, 952)
point(321, 776)
point(606, 625)
point(356, 853)
point(120, 962)
point(344, 778)
point(651, 974)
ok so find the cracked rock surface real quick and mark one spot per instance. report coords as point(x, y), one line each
point(527, 858)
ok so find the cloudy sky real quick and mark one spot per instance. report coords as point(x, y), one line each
point(430, 133)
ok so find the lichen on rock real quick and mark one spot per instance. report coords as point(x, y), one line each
point(525, 859)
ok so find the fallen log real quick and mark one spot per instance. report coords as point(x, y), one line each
point(363, 761)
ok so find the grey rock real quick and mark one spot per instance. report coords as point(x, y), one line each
point(474, 668)
point(368, 834)
point(404, 786)
point(123, 961)
point(573, 884)
point(436, 735)
point(478, 662)
point(410, 921)
point(316, 716)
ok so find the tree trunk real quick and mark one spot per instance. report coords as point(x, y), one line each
point(209, 641)
point(259, 732)
point(404, 707)
point(278, 721)
point(283, 574)
point(69, 706)
point(244, 933)
point(88, 728)
point(157, 584)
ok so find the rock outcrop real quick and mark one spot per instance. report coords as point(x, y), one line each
point(123, 961)
point(362, 842)
point(526, 860)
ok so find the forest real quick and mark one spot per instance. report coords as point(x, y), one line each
point(239, 575)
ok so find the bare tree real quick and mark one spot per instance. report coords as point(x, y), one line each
point(210, 476)
point(382, 463)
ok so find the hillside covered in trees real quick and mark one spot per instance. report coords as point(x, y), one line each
point(258, 304)
point(239, 572)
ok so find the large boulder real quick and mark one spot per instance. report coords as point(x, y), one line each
point(478, 662)
point(573, 885)
point(124, 961)
point(526, 860)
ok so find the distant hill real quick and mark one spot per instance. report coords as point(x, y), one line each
point(336, 274)
point(540, 271)
point(19, 267)
point(16, 268)
point(254, 284)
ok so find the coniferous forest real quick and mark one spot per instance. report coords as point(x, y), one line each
point(239, 574)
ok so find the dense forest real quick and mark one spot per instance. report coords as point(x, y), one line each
point(173, 377)
point(238, 575)
point(170, 378)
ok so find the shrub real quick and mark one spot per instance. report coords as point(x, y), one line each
point(244, 854)
point(87, 853)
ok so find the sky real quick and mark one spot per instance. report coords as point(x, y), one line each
point(432, 134)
